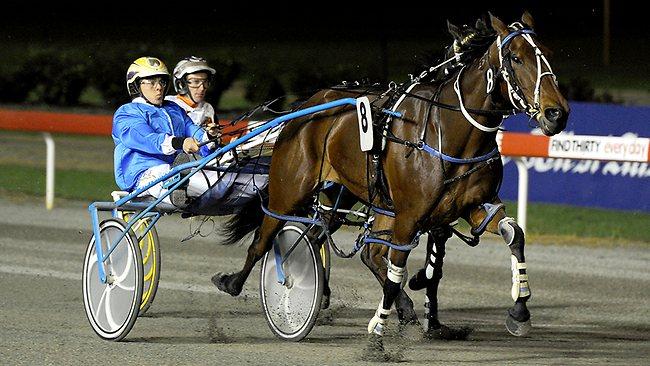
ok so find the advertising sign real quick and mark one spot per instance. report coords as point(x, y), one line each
point(592, 182)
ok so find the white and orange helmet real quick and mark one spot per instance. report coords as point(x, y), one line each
point(186, 66)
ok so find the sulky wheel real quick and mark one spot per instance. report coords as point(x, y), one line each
point(150, 250)
point(291, 308)
point(113, 307)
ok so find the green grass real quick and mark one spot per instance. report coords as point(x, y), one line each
point(551, 222)
point(546, 222)
point(70, 184)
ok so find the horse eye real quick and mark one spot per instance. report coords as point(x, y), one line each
point(516, 59)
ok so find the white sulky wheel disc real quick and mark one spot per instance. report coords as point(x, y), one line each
point(112, 307)
point(291, 309)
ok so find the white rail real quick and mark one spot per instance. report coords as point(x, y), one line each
point(49, 170)
point(522, 193)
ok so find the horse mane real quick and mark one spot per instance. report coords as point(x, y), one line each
point(472, 42)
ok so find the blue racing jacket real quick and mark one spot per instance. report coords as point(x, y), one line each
point(142, 134)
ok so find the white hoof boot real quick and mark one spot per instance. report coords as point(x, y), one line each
point(377, 323)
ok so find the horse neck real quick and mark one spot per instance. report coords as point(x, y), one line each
point(460, 137)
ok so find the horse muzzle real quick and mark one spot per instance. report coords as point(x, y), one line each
point(553, 120)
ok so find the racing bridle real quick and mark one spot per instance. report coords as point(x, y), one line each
point(515, 93)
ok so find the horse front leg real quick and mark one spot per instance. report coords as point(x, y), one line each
point(518, 318)
point(396, 270)
point(374, 256)
point(403, 234)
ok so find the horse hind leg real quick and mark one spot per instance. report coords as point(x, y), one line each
point(518, 318)
point(429, 277)
point(284, 197)
point(334, 195)
point(233, 283)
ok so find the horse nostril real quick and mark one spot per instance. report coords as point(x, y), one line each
point(553, 114)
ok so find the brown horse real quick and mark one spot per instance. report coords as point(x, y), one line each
point(439, 164)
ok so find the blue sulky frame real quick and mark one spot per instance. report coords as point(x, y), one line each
point(173, 180)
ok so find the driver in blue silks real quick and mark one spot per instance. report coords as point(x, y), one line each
point(150, 132)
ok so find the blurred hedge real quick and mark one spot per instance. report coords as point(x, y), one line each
point(95, 77)
point(54, 77)
point(268, 80)
point(61, 78)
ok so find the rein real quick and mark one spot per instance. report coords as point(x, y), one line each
point(485, 112)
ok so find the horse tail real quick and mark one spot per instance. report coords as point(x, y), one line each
point(248, 219)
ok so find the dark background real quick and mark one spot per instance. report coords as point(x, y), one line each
point(575, 16)
point(286, 48)
point(310, 20)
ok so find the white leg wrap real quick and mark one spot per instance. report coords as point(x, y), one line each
point(396, 274)
point(429, 270)
point(376, 324)
point(520, 287)
point(507, 231)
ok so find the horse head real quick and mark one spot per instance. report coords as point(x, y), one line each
point(526, 76)
point(519, 69)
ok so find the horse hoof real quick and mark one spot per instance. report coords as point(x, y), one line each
point(448, 334)
point(325, 317)
point(408, 317)
point(517, 328)
point(325, 302)
point(418, 281)
point(224, 282)
point(405, 312)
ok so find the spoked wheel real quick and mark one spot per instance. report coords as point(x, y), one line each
point(291, 308)
point(113, 307)
point(150, 250)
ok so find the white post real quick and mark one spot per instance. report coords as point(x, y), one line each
point(49, 171)
point(522, 193)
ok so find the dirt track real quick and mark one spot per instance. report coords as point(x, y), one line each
point(589, 306)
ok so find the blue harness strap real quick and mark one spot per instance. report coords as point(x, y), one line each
point(401, 248)
point(302, 220)
point(381, 211)
point(512, 35)
point(424, 146)
point(278, 264)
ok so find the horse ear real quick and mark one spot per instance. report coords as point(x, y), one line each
point(480, 24)
point(454, 31)
point(528, 19)
point(498, 25)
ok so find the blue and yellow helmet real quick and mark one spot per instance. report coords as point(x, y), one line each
point(142, 68)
